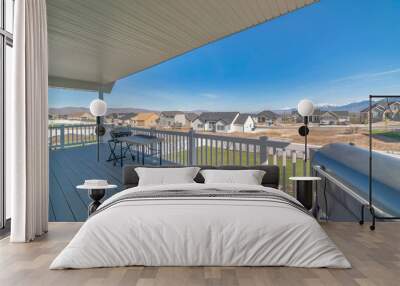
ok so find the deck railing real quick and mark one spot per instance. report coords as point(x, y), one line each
point(192, 148)
point(64, 136)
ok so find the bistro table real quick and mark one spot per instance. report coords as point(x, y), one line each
point(141, 141)
point(304, 192)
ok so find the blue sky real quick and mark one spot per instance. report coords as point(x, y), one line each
point(335, 51)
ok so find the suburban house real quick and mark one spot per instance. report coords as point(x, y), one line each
point(334, 118)
point(395, 106)
point(111, 118)
point(215, 121)
point(145, 119)
point(167, 118)
point(295, 117)
point(127, 118)
point(323, 117)
point(114, 118)
point(185, 120)
point(265, 118)
point(224, 122)
point(82, 116)
point(55, 116)
point(382, 110)
point(377, 111)
point(244, 123)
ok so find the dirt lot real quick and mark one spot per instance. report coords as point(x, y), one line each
point(321, 135)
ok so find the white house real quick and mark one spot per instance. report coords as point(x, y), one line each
point(167, 118)
point(185, 120)
point(334, 118)
point(243, 123)
point(215, 121)
point(224, 122)
point(265, 118)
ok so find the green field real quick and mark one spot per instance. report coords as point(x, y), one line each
point(389, 134)
point(204, 158)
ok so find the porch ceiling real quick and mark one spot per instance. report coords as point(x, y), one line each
point(94, 43)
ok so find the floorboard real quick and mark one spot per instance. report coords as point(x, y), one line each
point(71, 167)
point(374, 255)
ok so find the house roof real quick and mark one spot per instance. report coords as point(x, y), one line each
point(171, 113)
point(112, 115)
point(81, 113)
point(94, 43)
point(341, 113)
point(241, 119)
point(226, 117)
point(127, 116)
point(376, 105)
point(268, 113)
point(144, 116)
point(318, 112)
point(381, 105)
point(191, 116)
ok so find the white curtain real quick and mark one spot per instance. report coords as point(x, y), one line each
point(26, 147)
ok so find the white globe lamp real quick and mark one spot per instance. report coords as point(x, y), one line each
point(305, 107)
point(98, 108)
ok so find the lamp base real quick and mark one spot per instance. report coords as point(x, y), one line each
point(100, 130)
point(304, 130)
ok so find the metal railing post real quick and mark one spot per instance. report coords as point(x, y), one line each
point(263, 150)
point(294, 171)
point(50, 134)
point(62, 137)
point(192, 152)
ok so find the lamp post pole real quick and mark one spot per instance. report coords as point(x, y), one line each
point(305, 139)
point(99, 122)
point(98, 137)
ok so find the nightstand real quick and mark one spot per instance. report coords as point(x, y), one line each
point(304, 192)
point(96, 190)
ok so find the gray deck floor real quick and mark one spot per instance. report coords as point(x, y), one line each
point(69, 168)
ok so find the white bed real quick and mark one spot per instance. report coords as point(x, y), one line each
point(189, 231)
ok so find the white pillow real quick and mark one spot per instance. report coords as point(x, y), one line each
point(248, 177)
point(166, 176)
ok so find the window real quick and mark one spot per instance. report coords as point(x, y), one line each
point(6, 43)
point(200, 125)
point(220, 127)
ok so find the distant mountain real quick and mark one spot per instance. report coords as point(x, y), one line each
point(70, 110)
point(351, 107)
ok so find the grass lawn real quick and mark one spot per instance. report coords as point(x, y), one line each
point(204, 158)
point(389, 134)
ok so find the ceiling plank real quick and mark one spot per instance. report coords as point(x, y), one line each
point(101, 41)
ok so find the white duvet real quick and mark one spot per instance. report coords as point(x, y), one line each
point(200, 231)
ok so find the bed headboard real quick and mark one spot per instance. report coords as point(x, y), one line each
point(130, 178)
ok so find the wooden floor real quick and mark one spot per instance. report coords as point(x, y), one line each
point(69, 168)
point(375, 257)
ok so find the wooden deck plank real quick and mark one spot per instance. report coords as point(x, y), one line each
point(52, 216)
point(71, 167)
point(67, 179)
point(75, 175)
point(374, 255)
point(61, 207)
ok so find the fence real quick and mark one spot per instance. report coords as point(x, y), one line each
point(191, 148)
point(63, 136)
